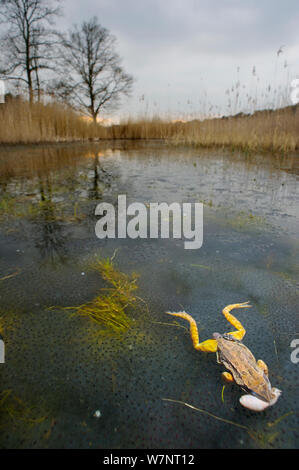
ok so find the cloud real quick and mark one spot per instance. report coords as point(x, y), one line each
point(173, 46)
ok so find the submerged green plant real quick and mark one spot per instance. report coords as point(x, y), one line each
point(108, 308)
point(12, 408)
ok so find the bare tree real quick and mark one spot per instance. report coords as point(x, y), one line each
point(27, 45)
point(93, 79)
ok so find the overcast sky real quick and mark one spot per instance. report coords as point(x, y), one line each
point(186, 54)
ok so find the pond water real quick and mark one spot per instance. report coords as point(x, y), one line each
point(69, 382)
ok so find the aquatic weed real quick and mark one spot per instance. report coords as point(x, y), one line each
point(15, 410)
point(108, 308)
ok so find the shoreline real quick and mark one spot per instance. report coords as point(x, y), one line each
point(264, 131)
point(170, 143)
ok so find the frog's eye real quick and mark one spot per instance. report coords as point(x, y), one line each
point(253, 403)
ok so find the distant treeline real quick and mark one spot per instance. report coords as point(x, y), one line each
point(58, 77)
point(79, 67)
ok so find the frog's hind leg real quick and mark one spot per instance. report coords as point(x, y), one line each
point(240, 333)
point(209, 345)
point(263, 366)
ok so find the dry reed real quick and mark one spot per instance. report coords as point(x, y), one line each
point(22, 122)
point(268, 130)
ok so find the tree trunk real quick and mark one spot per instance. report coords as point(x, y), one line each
point(30, 89)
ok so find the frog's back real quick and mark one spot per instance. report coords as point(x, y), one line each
point(240, 361)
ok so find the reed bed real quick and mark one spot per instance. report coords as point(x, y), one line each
point(275, 131)
point(268, 130)
point(25, 123)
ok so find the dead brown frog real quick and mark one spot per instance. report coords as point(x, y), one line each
point(243, 368)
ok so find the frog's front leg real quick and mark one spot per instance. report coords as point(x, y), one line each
point(240, 333)
point(227, 376)
point(263, 366)
point(210, 345)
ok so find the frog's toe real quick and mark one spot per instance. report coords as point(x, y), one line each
point(263, 366)
point(227, 377)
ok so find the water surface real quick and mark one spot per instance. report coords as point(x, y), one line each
point(61, 368)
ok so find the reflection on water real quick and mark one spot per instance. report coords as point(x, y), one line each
point(62, 368)
point(48, 188)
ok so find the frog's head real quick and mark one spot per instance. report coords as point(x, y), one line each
point(257, 404)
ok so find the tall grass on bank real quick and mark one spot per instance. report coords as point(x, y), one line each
point(22, 123)
point(262, 131)
point(268, 130)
